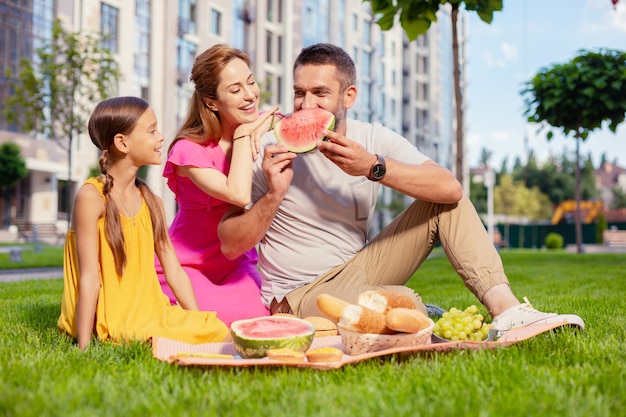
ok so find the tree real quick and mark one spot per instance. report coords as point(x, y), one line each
point(619, 197)
point(578, 97)
point(513, 198)
point(555, 178)
point(416, 17)
point(485, 157)
point(478, 195)
point(53, 94)
point(12, 170)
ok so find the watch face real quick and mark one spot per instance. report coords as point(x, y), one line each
point(378, 171)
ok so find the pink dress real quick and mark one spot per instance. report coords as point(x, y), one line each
point(229, 287)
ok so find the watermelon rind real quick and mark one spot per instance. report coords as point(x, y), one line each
point(309, 122)
point(256, 347)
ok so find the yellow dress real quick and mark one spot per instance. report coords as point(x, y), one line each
point(132, 307)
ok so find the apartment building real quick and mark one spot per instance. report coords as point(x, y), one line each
point(407, 86)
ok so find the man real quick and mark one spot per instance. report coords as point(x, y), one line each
point(310, 212)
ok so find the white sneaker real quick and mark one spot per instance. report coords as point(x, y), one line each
point(525, 315)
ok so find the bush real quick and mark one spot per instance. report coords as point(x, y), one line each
point(554, 241)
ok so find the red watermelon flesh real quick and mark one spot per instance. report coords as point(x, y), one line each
point(301, 130)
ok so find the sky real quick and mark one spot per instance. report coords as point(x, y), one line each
point(524, 38)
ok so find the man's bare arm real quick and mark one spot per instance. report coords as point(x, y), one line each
point(240, 230)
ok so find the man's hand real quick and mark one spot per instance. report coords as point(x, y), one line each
point(277, 169)
point(347, 154)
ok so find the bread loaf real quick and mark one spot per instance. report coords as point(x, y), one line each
point(323, 326)
point(331, 306)
point(363, 320)
point(406, 320)
point(384, 300)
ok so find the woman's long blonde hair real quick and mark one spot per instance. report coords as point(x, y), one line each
point(109, 118)
point(202, 123)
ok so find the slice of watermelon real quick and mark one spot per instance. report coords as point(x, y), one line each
point(301, 130)
point(253, 337)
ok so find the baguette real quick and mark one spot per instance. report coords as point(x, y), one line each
point(384, 300)
point(363, 320)
point(406, 320)
point(331, 306)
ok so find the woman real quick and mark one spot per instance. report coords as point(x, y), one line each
point(209, 168)
point(118, 224)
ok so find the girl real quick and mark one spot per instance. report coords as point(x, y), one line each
point(110, 284)
point(209, 168)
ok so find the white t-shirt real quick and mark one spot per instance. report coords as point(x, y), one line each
point(325, 215)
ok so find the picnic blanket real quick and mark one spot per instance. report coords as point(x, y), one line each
point(224, 354)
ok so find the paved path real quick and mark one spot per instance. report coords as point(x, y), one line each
point(8, 275)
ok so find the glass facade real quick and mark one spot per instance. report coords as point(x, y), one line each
point(315, 22)
point(407, 86)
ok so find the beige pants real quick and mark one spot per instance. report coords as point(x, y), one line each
point(391, 258)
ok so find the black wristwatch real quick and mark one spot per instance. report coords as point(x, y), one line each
point(378, 170)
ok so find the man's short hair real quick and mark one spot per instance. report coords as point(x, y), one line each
point(329, 54)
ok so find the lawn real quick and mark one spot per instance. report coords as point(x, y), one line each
point(33, 256)
point(564, 372)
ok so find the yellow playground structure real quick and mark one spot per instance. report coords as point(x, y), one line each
point(589, 210)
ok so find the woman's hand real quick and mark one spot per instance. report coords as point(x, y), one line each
point(258, 128)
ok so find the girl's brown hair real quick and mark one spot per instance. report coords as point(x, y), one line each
point(109, 118)
point(202, 123)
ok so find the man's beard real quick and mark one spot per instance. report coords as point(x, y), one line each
point(340, 114)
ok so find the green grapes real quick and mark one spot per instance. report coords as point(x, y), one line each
point(465, 324)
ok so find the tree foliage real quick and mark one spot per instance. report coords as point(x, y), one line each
point(53, 93)
point(578, 97)
point(12, 165)
point(513, 198)
point(554, 179)
point(619, 197)
point(12, 170)
point(415, 17)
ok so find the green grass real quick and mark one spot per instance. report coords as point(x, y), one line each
point(564, 372)
point(33, 256)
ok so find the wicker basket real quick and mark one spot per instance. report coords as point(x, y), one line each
point(356, 343)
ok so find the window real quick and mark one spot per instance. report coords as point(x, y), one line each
point(186, 56)
point(274, 11)
point(279, 90)
point(238, 30)
point(187, 17)
point(142, 40)
point(279, 7)
point(270, 10)
point(279, 50)
point(216, 22)
point(268, 47)
point(366, 67)
point(109, 21)
point(367, 32)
